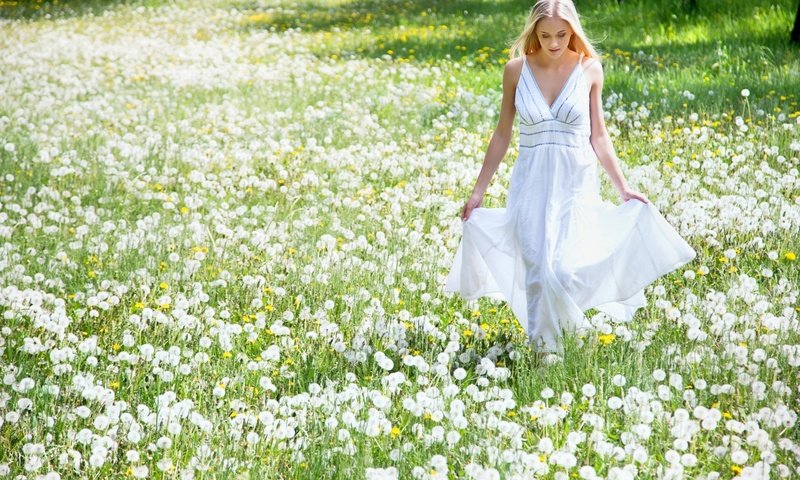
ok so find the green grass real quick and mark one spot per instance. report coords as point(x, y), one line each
point(722, 46)
point(21, 10)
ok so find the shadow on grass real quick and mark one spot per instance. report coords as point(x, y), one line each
point(739, 41)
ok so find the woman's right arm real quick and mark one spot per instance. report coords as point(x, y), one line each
point(501, 138)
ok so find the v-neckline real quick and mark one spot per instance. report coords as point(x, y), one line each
point(563, 88)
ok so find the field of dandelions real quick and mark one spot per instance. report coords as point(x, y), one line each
point(224, 230)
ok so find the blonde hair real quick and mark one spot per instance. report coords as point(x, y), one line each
point(527, 41)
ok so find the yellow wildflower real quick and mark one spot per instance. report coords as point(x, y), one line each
point(607, 338)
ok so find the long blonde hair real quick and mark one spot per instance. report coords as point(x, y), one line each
point(527, 41)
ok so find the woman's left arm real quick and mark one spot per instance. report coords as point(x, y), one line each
point(600, 139)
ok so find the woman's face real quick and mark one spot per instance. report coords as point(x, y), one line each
point(553, 34)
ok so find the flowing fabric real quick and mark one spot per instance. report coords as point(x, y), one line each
point(558, 249)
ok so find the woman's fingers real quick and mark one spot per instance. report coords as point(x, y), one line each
point(468, 207)
point(627, 195)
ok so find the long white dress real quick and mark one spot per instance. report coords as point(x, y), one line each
point(558, 249)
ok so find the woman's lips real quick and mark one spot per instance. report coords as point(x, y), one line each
point(554, 51)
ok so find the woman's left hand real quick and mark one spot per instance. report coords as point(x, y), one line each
point(629, 194)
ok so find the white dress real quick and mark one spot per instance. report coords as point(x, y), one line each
point(559, 249)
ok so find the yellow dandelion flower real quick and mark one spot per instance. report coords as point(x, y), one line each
point(606, 338)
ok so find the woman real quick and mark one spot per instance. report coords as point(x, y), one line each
point(558, 249)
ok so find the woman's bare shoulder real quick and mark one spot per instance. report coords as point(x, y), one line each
point(513, 66)
point(512, 70)
point(593, 70)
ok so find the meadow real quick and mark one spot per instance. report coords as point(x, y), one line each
point(225, 228)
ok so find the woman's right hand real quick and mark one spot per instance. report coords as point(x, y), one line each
point(473, 202)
